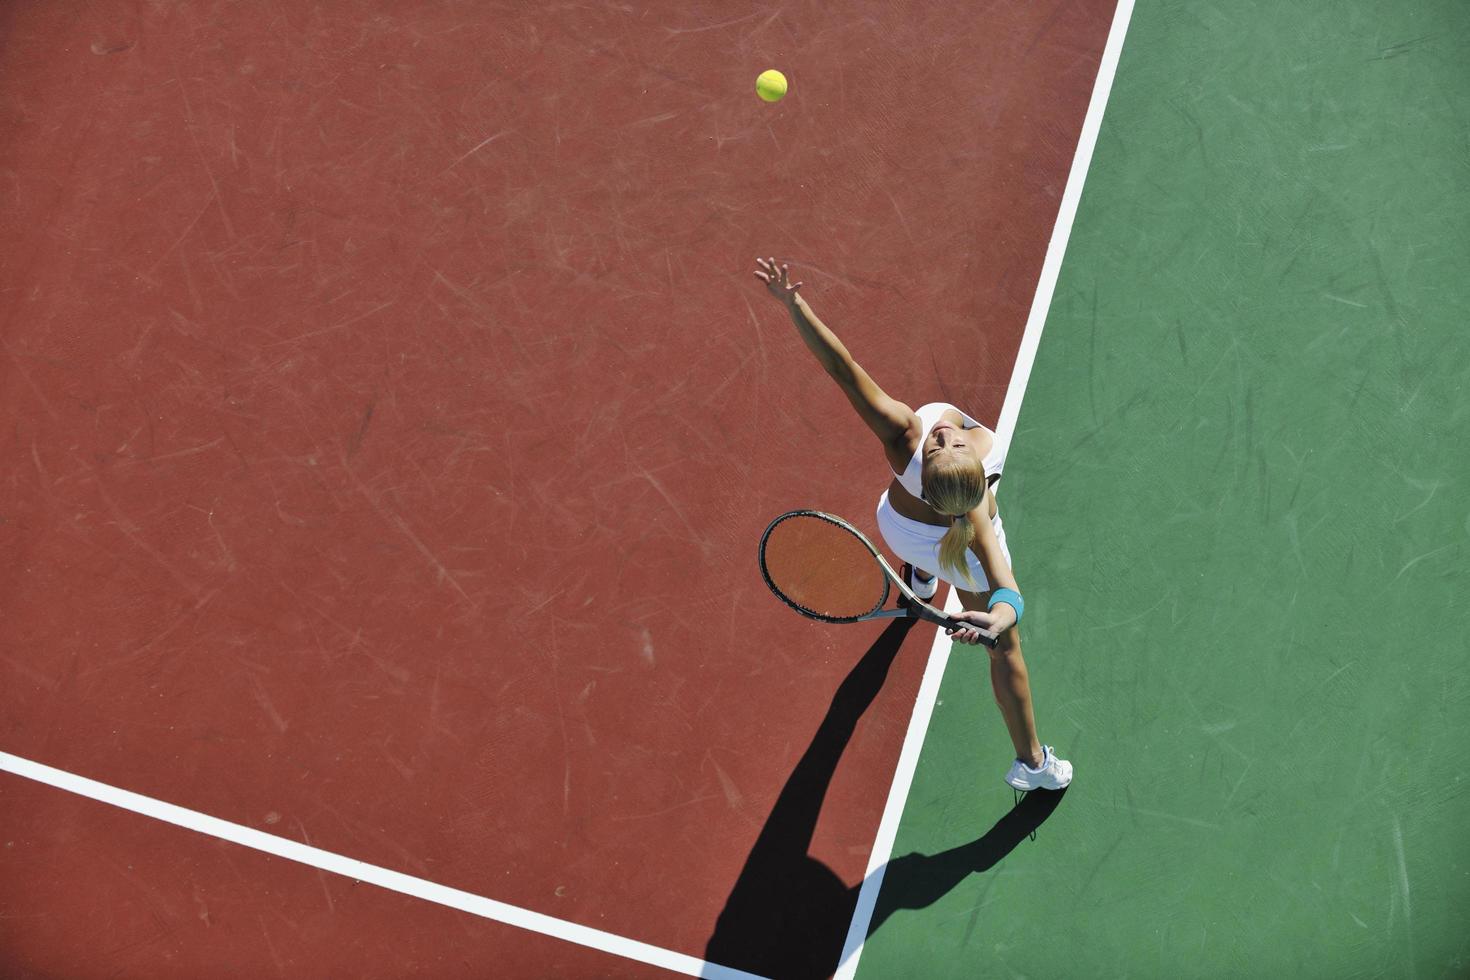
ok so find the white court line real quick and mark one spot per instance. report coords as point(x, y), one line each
point(486, 908)
point(913, 742)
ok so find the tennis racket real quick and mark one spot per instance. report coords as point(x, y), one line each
point(825, 569)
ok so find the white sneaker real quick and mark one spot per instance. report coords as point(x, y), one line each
point(924, 590)
point(1054, 773)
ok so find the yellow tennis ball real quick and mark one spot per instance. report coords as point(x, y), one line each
point(770, 85)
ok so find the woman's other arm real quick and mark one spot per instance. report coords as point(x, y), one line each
point(986, 547)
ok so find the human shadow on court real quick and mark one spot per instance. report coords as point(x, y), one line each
point(788, 913)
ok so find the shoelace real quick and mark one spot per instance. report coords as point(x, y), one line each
point(1021, 795)
point(1046, 761)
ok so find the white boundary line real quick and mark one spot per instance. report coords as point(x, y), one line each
point(1071, 197)
point(453, 898)
point(908, 760)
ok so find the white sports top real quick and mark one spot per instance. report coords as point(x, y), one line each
point(911, 478)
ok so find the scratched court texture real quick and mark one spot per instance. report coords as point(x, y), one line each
point(390, 417)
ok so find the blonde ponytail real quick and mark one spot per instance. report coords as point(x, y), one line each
point(952, 548)
point(955, 489)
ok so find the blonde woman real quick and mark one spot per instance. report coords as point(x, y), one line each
point(939, 515)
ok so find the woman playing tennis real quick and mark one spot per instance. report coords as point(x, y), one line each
point(939, 515)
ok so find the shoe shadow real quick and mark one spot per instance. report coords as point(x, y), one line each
point(788, 914)
point(916, 881)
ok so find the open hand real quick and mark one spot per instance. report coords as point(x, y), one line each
point(777, 280)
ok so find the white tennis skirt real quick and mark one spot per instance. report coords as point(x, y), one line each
point(918, 544)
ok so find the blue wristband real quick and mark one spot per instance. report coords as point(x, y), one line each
point(1011, 598)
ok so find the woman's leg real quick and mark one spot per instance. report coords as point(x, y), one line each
point(1011, 686)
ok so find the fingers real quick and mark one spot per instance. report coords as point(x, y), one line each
point(776, 276)
point(968, 626)
point(786, 279)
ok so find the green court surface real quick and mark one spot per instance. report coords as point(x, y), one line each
point(1238, 500)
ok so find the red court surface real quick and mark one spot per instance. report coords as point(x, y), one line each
point(111, 893)
point(391, 418)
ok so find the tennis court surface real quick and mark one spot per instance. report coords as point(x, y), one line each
point(391, 418)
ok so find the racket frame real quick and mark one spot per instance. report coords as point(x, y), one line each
point(910, 605)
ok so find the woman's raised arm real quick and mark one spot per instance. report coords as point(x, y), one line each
point(890, 419)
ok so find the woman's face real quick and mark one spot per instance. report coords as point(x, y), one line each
point(948, 443)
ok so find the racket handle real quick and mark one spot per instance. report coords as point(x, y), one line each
point(929, 614)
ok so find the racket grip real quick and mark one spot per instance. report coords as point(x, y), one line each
point(986, 637)
point(928, 613)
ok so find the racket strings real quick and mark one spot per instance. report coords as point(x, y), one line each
point(822, 568)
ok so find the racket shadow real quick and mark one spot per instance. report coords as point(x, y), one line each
point(788, 913)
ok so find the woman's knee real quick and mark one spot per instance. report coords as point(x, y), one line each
point(1007, 646)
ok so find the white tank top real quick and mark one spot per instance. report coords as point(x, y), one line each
point(911, 479)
